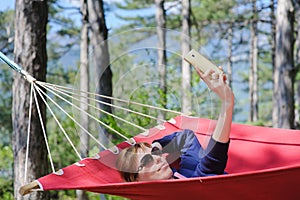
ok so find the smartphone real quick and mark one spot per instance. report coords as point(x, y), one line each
point(200, 62)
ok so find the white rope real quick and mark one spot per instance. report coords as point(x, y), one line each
point(28, 133)
point(57, 91)
point(121, 108)
point(93, 117)
point(115, 99)
point(43, 129)
point(86, 131)
point(101, 102)
point(58, 123)
point(97, 108)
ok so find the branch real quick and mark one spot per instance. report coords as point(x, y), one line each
point(68, 8)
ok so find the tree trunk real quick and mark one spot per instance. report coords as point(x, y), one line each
point(273, 32)
point(297, 64)
point(30, 52)
point(230, 55)
point(100, 59)
point(185, 48)
point(84, 86)
point(161, 52)
point(273, 52)
point(253, 78)
point(297, 113)
point(284, 73)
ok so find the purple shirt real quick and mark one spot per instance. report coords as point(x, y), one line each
point(194, 160)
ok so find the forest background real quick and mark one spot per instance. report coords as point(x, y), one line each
point(243, 36)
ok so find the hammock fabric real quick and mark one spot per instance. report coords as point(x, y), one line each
point(264, 163)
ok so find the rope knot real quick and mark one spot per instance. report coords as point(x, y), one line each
point(27, 76)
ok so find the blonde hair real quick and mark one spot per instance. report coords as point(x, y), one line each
point(127, 161)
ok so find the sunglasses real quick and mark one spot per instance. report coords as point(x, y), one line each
point(148, 158)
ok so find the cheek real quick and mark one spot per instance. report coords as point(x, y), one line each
point(156, 175)
point(153, 174)
point(147, 176)
point(164, 173)
point(168, 173)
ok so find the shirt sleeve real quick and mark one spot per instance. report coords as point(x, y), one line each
point(214, 159)
point(177, 142)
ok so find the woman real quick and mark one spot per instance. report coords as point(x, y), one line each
point(145, 162)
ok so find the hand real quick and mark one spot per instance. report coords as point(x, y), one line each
point(217, 83)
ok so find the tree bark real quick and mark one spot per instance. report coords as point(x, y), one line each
point(297, 65)
point(273, 32)
point(185, 48)
point(230, 54)
point(273, 52)
point(160, 17)
point(253, 77)
point(284, 73)
point(100, 59)
point(30, 52)
point(84, 86)
point(297, 113)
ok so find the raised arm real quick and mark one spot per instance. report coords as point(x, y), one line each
point(217, 83)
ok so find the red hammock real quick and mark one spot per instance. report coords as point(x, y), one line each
point(264, 163)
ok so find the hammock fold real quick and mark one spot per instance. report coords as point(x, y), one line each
point(264, 163)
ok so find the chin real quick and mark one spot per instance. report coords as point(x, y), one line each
point(170, 173)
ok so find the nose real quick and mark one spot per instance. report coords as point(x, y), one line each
point(158, 159)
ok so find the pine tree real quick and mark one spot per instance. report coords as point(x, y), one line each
point(284, 72)
point(30, 52)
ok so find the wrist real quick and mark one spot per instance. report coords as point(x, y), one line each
point(227, 105)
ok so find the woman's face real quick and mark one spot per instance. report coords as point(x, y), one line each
point(152, 167)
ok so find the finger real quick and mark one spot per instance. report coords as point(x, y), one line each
point(215, 75)
point(207, 73)
point(221, 68)
point(223, 75)
point(223, 78)
point(206, 77)
point(199, 72)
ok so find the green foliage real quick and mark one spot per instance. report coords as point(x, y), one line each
point(259, 123)
point(71, 195)
point(141, 20)
point(297, 77)
point(6, 31)
point(112, 197)
point(213, 10)
point(63, 31)
point(134, 4)
point(6, 172)
point(6, 191)
point(57, 141)
point(6, 154)
point(59, 74)
point(6, 157)
point(6, 45)
point(138, 89)
point(5, 105)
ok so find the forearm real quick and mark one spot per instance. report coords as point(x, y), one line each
point(223, 126)
point(217, 83)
